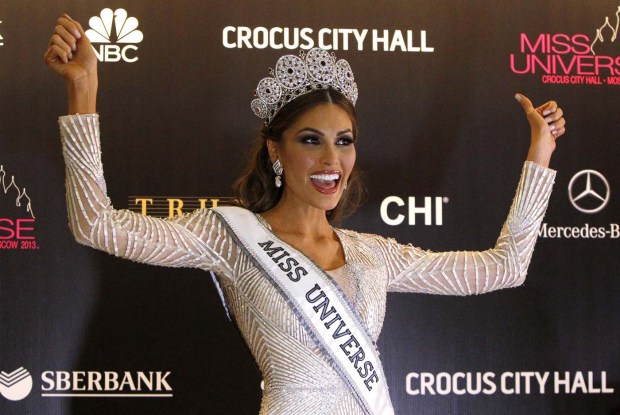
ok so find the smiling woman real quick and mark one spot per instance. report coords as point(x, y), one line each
point(309, 299)
point(256, 186)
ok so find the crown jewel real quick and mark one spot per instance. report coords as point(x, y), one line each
point(295, 76)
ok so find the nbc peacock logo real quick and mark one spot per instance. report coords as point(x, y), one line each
point(16, 385)
point(118, 44)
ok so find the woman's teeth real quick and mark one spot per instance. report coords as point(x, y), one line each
point(325, 176)
point(325, 181)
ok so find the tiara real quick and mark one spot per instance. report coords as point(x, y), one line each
point(295, 76)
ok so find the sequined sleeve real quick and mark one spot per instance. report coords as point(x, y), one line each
point(187, 241)
point(411, 269)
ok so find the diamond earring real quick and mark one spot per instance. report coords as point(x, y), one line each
point(278, 170)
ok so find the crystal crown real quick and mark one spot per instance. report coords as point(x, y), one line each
point(295, 76)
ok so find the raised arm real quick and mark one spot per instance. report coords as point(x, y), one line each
point(468, 272)
point(462, 273)
point(71, 56)
point(191, 241)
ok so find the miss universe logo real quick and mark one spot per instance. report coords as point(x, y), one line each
point(561, 58)
point(16, 229)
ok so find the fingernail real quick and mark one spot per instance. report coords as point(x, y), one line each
point(552, 128)
point(546, 112)
point(77, 34)
point(74, 48)
point(548, 119)
point(70, 56)
point(518, 97)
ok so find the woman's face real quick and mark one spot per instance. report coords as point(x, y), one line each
point(317, 153)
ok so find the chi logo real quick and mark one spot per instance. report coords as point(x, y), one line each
point(16, 385)
point(126, 34)
point(431, 208)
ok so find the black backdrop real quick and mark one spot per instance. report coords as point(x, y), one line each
point(437, 123)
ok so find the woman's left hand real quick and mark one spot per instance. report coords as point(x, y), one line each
point(546, 124)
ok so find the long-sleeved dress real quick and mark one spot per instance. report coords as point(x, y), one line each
point(298, 379)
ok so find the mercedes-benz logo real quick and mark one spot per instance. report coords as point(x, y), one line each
point(589, 194)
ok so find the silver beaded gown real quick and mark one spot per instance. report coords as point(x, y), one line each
point(297, 377)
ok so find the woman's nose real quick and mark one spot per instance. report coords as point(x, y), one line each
point(329, 156)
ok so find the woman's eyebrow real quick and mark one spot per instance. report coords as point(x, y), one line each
point(311, 130)
point(348, 130)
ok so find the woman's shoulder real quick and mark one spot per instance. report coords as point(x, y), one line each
point(355, 240)
point(363, 237)
point(196, 221)
point(356, 235)
point(380, 245)
point(206, 213)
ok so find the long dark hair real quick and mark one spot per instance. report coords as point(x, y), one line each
point(255, 189)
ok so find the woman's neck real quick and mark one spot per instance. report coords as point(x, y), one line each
point(306, 229)
point(304, 222)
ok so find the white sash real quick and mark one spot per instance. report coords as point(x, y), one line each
point(320, 306)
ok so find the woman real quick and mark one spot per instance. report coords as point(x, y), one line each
point(308, 299)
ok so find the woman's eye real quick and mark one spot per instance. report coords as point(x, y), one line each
point(345, 141)
point(310, 140)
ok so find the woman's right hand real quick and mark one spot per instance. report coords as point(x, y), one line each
point(71, 56)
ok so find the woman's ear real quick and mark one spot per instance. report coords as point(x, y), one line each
point(272, 148)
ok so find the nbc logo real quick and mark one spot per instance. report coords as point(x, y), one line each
point(16, 385)
point(126, 34)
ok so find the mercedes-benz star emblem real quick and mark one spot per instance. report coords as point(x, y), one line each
point(589, 194)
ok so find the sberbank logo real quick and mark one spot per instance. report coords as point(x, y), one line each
point(15, 385)
point(18, 384)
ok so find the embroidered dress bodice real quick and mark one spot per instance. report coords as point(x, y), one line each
point(345, 281)
point(297, 377)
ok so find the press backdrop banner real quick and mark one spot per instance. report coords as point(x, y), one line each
point(441, 145)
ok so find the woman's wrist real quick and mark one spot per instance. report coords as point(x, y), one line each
point(82, 95)
point(540, 155)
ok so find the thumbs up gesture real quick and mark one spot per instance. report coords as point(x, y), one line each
point(547, 123)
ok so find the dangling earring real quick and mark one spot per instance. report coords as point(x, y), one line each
point(345, 185)
point(278, 170)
